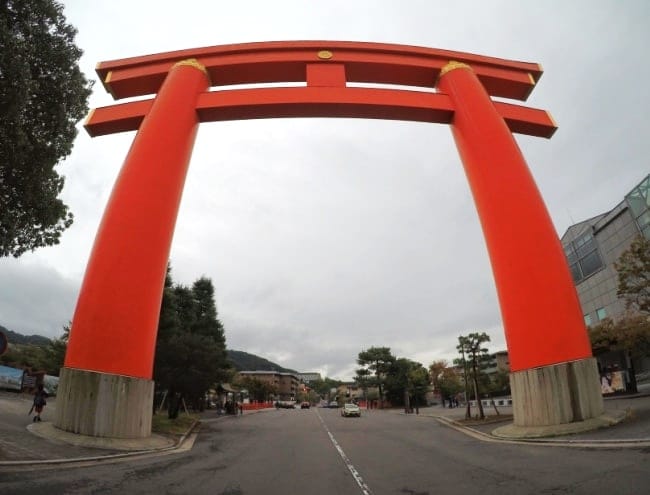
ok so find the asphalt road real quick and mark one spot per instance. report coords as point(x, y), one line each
point(316, 451)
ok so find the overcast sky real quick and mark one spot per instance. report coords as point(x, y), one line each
point(324, 237)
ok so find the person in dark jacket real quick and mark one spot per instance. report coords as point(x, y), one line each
point(39, 402)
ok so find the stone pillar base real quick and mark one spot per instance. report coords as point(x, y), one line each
point(556, 394)
point(104, 405)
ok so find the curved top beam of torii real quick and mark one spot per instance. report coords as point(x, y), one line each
point(320, 72)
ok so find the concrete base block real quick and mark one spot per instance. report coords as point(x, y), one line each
point(556, 394)
point(103, 404)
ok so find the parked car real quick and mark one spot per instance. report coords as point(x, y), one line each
point(304, 405)
point(350, 409)
point(334, 404)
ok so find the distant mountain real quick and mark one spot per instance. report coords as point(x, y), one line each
point(243, 361)
point(17, 338)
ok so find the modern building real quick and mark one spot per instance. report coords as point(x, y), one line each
point(594, 245)
point(592, 248)
point(286, 384)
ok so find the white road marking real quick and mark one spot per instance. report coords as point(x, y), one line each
point(355, 474)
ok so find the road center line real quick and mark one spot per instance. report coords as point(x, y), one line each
point(355, 474)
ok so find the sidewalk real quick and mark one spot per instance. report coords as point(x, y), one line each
point(24, 443)
point(633, 430)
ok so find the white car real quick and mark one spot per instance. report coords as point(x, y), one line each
point(350, 409)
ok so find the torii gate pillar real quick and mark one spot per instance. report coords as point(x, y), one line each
point(106, 388)
point(556, 378)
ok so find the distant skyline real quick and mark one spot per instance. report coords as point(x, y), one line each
point(324, 237)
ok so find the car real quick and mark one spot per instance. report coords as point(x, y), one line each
point(350, 409)
point(333, 404)
point(304, 405)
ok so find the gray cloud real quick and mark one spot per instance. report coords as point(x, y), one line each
point(35, 299)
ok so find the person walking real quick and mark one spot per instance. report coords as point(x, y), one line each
point(39, 402)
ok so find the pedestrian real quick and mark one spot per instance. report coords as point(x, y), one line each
point(39, 402)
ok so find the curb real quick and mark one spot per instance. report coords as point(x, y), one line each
point(548, 442)
point(638, 395)
point(181, 440)
point(107, 457)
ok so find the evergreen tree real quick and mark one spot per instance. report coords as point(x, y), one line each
point(473, 359)
point(405, 381)
point(169, 321)
point(191, 349)
point(418, 385)
point(54, 355)
point(364, 380)
point(378, 360)
point(205, 318)
point(43, 94)
point(323, 386)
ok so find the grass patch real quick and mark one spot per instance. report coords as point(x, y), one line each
point(160, 423)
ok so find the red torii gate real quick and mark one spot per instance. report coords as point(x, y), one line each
point(108, 365)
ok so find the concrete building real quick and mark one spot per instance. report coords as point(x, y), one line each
point(349, 391)
point(498, 362)
point(593, 245)
point(286, 384)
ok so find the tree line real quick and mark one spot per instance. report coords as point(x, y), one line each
point(403, 382)
point(41, 355)
point(398, 380)
point(468, 375)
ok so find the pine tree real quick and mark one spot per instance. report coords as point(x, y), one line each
point(191, 347)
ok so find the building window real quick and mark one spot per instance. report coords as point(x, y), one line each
point(582, 255)
point(639, 202)
point(588, 320)
point(601, 314)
